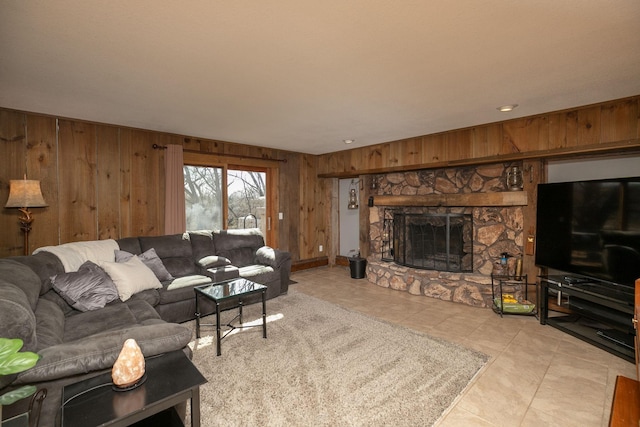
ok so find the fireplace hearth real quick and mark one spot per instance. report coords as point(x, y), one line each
point(439, 241)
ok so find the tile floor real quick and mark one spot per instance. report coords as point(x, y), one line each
point(537, 375)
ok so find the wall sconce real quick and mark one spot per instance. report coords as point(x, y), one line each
point(24, 194)
point(353, 195)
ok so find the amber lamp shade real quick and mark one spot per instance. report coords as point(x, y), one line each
point(25, 194)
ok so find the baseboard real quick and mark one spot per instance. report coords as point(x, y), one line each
point(342, 260)
point(309, 263)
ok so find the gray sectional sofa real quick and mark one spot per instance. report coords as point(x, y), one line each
point(76, 340)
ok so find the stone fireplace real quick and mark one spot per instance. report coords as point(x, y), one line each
point(459, 272)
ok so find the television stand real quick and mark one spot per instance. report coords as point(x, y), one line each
point(599, 313)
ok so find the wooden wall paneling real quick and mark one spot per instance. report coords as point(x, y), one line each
point(359, 159)
point(533, 173)
point(331, 192)
point(588, 126)
point(363, 217)
point(405, 152)
point(563, 130)
point(125, 222)
point(480, 142)
point(434, 149)
point(619, 121)
point(459, 144)
point(311, 232)
point(147, 185)
point(42, 164)
point(77, 181)
point(13, 154)
point(194, 144)
point(525, 135)
point(290, 205)
point(375, 156)
point(108, 182)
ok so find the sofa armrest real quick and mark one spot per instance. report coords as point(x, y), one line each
point(272, 257)
point(101, 350)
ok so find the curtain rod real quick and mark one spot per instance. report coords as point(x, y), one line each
point(164, 147)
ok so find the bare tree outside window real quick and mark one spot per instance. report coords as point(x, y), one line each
point(247, 199)
point(203, 197)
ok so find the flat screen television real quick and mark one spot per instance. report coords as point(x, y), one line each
point(590, 229)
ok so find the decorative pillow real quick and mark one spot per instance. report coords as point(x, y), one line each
point(149, 258)
point(89, 288)
point(213, 261)
point(131, 277)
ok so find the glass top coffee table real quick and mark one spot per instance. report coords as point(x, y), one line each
point(231, 290)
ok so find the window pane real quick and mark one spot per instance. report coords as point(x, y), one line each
point(247, 200)
point(203, 197)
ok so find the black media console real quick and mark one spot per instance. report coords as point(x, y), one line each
point(597, 312)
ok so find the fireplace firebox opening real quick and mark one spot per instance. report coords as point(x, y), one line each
point(441, 241)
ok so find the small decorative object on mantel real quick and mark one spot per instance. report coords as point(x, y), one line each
point(129, 370)
point(514, 178)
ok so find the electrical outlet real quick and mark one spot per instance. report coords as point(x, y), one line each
point(320, 248)
point(280, 215)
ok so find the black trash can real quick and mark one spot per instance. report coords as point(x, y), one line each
point(358, 267)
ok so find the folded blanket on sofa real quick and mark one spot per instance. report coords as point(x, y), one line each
point(73, 255)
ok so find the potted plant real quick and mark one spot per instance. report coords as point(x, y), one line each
point(12, 361)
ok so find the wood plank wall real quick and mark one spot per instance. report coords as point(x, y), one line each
point(103, 181)
point(598, 128)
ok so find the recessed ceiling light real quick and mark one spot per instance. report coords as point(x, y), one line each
point(348, 141)
point(507, 108)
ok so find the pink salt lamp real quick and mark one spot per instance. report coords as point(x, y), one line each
point(129, 367)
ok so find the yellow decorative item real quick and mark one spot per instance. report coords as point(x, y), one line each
point(509, 298)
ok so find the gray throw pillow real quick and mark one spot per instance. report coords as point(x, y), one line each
point(149, 258)
point(89, 288)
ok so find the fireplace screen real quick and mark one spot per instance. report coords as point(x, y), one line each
point(440, 242)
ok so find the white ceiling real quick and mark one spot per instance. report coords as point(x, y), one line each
point(303, 75)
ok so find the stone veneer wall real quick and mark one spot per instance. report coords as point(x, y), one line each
point(495, 230)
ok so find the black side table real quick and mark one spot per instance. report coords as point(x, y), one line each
point(171, 379)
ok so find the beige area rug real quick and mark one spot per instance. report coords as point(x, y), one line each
point(323, 365)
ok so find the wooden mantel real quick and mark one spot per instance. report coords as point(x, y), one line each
point(505, 198)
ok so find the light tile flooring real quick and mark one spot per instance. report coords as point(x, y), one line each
point(537, 375)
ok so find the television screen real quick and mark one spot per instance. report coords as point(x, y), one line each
point(590, 228)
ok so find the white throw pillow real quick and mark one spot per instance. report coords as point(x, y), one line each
point(131, 277)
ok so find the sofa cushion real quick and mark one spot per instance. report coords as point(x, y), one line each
point(131, 277)
point(201, 244)
point(45, 265)
point(150, 296)
point(150, 259)
point(259, 273)
point(89, 288)
point(175, 252)
point(239, 246)
point(50, 321)
point(182, 288)
point(23, 277)
point(82, 325)
point(16, 316)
